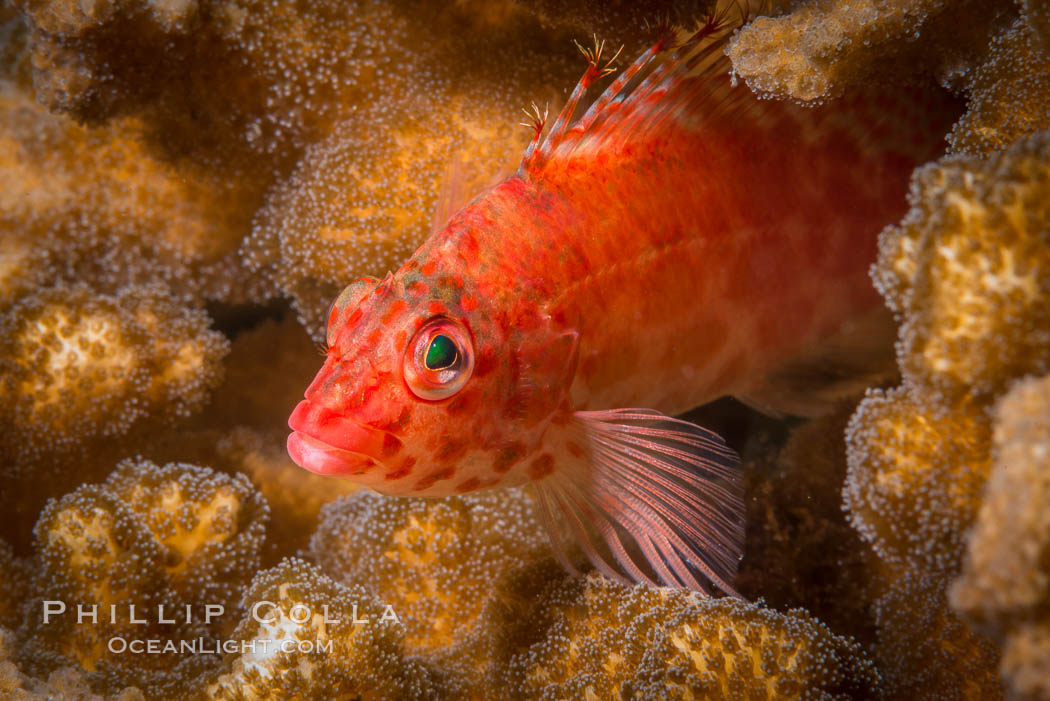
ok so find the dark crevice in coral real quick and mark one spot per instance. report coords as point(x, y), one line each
point(234, 319)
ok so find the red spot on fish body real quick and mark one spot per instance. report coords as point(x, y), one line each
point(429, 481)
point(450, 451)
point(508, 456)
point(437, 308)
point(395, 310)
point(391, 446)
point(365, 468)
point(428, 268)
point(404, 470)
point(452, 281)
point(468, 485)
point(469, 245)
point(541, 466)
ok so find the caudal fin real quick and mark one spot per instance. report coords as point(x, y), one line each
point(654, 499)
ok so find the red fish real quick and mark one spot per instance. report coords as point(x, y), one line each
point(679, 241)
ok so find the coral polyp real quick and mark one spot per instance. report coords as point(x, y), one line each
point(600, 639)
point(343, 643)
point(1003, 589)
point(899, 493)
point(966, 270)
point(79, 365)
point(98, 206)
point(137, 555)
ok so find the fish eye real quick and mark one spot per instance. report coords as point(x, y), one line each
point(441, 353)
point(439, 359)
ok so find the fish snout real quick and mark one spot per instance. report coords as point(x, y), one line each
point(345, 381)
point(328, 443)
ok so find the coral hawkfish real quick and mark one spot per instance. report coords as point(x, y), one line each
point(677, 241)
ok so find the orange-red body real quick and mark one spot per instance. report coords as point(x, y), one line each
point(680, 245)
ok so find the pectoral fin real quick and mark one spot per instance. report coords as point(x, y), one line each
point(653, 498)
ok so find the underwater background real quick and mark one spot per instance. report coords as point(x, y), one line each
point(185, 185)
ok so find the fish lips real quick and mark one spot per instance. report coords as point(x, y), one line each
point(327, 443)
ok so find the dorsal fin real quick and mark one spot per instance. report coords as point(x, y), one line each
point(636, 93)
point(452, 194)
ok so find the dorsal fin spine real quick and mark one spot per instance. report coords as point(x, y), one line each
point(534, 157)
point(680, 61)
point(536, 122)
point(617, 86)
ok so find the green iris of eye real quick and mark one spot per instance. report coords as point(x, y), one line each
point(441, 354)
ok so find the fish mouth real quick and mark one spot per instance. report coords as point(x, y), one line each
point(327, 443)
point(323, 459)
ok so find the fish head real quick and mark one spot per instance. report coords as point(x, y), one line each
point(425, 381)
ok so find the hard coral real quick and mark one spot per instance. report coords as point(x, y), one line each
point(294, 495)
point(473, 580)
point(363, 200)
point(438, 562)
point(1004, 589)
point(309, 637)
point(987, 50)
point(924, 650)
point(223, 82)
point(77, 365)
point(462, 574)
point(147, 537)
point(915, 479)
point(65, 683)
point(967, 268)
point(232, 93)
point(966, 273)
point(209, 525)
point(96, 205)
point(90, 548)
point(1009, 90)
point(823, 46)
point(594, 638)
